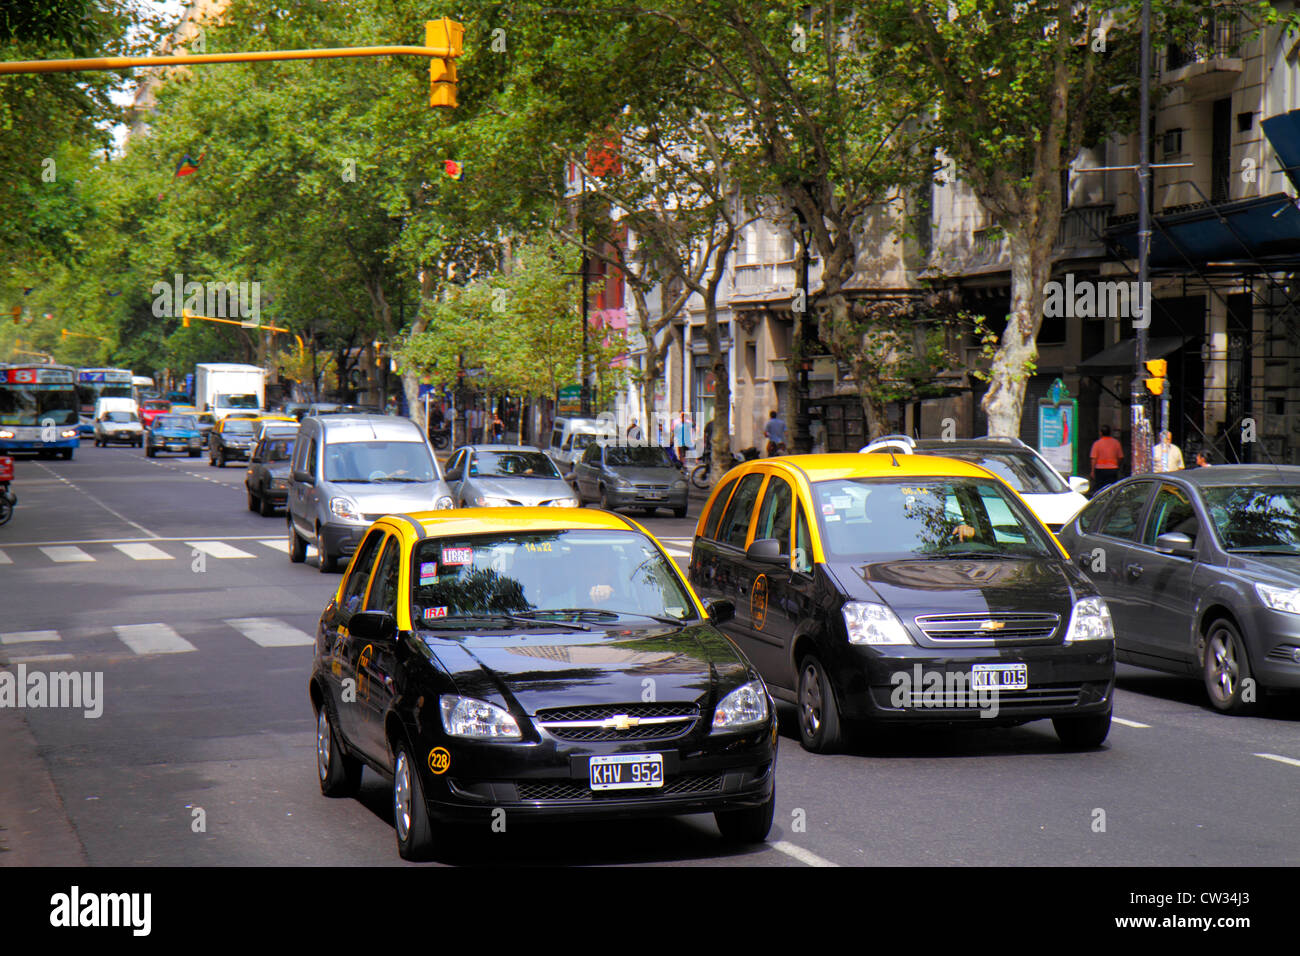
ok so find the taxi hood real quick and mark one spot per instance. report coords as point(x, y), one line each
point(1002, 584)
point(613, 665)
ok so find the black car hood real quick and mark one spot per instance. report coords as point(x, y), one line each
point(913, 586)
point(602, 666)
point(1280, 567)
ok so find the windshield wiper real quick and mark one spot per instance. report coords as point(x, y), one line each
point(351, 481)
point(979, 554)
point(520, 619)
point(395, 478)
point(607, 613)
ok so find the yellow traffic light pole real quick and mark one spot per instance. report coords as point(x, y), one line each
point(443, 43)
point(186, 315)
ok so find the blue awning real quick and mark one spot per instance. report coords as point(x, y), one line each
point(1249, 234)
point(1283, 131)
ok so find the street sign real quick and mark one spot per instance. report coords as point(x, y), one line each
point(570, 400)
point(427, 390)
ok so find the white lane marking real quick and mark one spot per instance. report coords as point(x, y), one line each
point(143, 552)
point(1280, 759)
point(218, 549)
point(153, 639)
point(800, 854)
point(156, 539)
point(270, 632)
point(277, 544)
point(1128, 723)
point(5, 559)
point(116, 514)
point(66, 554)
point(29, 637)
point(36, 658)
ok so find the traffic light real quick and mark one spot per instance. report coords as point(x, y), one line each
point(1156, 386)
point(444, 33)
point(17, 313)
point(65, 333)
point(1157, 368)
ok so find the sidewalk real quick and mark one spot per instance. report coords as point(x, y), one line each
point(34, 827)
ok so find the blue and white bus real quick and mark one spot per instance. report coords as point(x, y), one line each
point(38, 409)
point(96, 383)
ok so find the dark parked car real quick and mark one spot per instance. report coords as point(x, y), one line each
point(904, 588)
point(231, 440)
point(267, 478)
point(1201, 569)
point(545, 662)
point(630, 476)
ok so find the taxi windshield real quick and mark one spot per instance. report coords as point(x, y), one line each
point(862, 518)
point(584, 574)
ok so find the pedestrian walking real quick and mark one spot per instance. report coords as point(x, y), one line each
point(775, 432)
point(1166, 456)
point(1106, 454)
point(683, 437)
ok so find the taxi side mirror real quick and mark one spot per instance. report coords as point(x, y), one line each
point(372, 626)
point(720, 612)
point(766, 551)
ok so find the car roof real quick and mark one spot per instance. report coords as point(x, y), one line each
point(869, 465)
point(489, 520)
point(930, 445)
point(367, 428)
point(490, 447)
point(1235, 475)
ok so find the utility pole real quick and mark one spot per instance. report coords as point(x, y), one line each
point(1140, 435)
point(585, 390)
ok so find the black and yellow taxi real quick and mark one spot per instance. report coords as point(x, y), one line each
point(879, 587)
point(539, 662)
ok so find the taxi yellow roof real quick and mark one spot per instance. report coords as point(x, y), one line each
point(877, 465)
point(488, 520)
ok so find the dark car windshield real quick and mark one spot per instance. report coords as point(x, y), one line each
point(1022, 471)
point(277, 449)
point(175, 421)
point(237, 426)
point(637, 456)
point(862, 518)
point(606, 574)
point(513, 464)
point(1256, 518)
point(378, 461)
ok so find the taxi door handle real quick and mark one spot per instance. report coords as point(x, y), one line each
point(1134, 570)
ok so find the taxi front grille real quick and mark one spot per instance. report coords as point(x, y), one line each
point(607, 711)
point(630, 722)
point(989, 628)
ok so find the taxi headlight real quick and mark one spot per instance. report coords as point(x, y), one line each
point(345, 508)
point(869, 623)
point(468, 717)
point(1090, 621)
point(742, 708)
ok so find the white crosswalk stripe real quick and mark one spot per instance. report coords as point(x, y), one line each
point(65, 553)
point(143, 552)
point(29, 637)
point(218, 549)
point(153, 639)
point(270, 632)
point(5, 559)
point(276, 544)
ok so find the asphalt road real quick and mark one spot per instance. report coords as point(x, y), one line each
point(154, 573)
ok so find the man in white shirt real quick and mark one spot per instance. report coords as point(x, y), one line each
point(1166, 456)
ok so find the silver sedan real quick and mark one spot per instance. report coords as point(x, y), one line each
point(501, 476)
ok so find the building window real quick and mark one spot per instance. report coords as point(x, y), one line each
point(1221, 151)
point(1173, 143)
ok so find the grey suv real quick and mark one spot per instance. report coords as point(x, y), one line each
point(348, 471)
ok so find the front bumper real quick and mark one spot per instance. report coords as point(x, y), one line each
point(893, 683)
point(14, 444)
point(234, 452)
point(549, 778)
point(1272, 639)
point(637, 499)
point(341, 540)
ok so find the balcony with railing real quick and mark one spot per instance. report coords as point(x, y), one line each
point(1209, 63)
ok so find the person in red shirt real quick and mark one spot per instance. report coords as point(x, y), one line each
point(1106, 455)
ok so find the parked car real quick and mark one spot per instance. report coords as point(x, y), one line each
point(500, 476)
point(348, 471)
point(267, 478)
point(170, 432)
point(323, 408)
point(1054, 498)
point(630, 476)
point(510, 674)
point(118, 428)
point(231, 439)
point(907, 588)
point(571, 436)
point(1201, 569)
point(151, 408)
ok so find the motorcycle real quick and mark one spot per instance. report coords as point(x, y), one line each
point(440, 435)
point(700, 474)
point(7, 498)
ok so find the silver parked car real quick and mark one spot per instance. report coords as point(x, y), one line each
point(351, 470)
point(501, 476)
point(630, 476)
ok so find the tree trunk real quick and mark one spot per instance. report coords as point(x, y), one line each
point(1031, 267)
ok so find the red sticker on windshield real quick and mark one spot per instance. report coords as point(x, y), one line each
point(457, 555)
point(434, 612)
point(828, 509)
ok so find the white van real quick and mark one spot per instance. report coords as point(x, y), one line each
point(571, 436)
point(103, 405)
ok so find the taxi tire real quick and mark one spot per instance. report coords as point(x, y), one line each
point(825, 739)
point(342, 774)
point(1082, 733)
point(1222, 640)
point(419, 841)
point(297, 546)
point(750, 825)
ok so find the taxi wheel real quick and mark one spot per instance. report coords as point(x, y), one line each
point(1226, 668)
point(340, 775)
point(750, 825)
point(297, 546)
point(1082, 733)
point(410, 814)
point(819, 717)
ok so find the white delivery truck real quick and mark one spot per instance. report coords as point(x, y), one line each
point(222, 387)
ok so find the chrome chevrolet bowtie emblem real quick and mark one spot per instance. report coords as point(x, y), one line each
point(620, 722)
point(993, 625)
